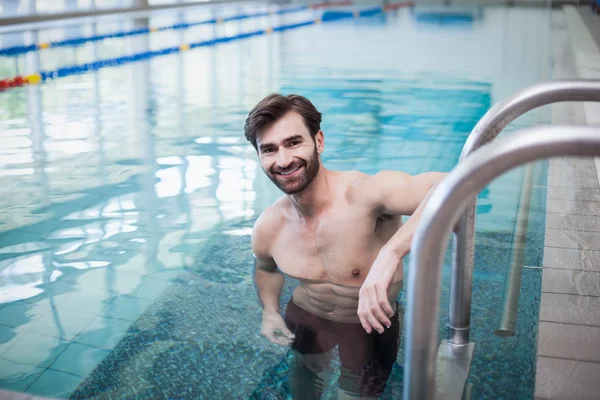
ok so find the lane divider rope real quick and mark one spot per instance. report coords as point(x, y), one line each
point(34, 79)
point(15, 50)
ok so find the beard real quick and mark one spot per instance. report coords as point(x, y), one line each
point(297, 184)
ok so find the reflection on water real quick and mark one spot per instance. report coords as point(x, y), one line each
point(129, 194)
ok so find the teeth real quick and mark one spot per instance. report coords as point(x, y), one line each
point(290, 172)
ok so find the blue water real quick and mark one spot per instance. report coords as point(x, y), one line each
point(129, 193)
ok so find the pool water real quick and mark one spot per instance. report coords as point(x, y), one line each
point(129, 192)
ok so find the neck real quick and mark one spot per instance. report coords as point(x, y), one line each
point(316, 197)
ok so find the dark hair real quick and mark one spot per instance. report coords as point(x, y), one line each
point(275, 106)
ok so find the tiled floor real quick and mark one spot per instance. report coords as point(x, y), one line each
point(72, 330)
point(61, 333)
point(568, 363)
point(5, 395)
point(591, 21)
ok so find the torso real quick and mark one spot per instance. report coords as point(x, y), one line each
point(331, 255)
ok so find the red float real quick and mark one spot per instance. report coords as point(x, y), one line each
point(337, 3)
point(396, 6)
point(13, 82)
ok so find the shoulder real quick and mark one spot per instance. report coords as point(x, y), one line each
point(266, 228)
point(395, 192)
point(370, 189)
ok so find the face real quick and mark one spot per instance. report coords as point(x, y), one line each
point(288, 154)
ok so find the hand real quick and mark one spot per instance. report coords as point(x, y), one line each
point(374, 309)
point(274, 329)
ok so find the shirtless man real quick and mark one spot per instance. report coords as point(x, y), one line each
point(340, 234)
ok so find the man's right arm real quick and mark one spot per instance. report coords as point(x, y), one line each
point(267, 278)
point(269, 281)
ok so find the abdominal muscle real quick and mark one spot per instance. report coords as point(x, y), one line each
point(333, 301)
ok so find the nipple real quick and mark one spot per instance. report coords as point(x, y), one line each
point(355, 272)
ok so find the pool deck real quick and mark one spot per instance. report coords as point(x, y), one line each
point(568, 359)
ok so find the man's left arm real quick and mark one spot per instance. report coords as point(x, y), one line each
point(396, 194)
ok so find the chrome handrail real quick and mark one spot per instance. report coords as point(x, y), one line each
point(441, 213)
point(487, 129)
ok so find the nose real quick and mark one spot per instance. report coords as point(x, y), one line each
point(284, 158)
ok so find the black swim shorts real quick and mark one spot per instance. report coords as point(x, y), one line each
point(367, 359)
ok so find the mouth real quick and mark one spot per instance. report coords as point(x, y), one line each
point(290, 173)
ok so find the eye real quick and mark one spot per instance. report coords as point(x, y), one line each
point(294, 142)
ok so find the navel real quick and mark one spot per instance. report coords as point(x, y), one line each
point(356, 272)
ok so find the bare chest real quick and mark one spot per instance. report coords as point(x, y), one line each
point(339, 246)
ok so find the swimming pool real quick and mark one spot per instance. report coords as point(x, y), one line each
point(130, 191)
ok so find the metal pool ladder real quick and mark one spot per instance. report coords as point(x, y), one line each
point(452, 207)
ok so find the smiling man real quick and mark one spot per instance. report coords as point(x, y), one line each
point(340, 234)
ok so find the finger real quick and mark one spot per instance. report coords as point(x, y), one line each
point(365, 323)
point(273, 338)
point(377, 312)
point(285, 331)
point(375, 323)
point(384, 302)
point(282, 340)
point(269, 335)
point(368, 313)
point(363, 305)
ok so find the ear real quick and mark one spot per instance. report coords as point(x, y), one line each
point(320, 141)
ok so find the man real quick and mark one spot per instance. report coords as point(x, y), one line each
point(340, 234)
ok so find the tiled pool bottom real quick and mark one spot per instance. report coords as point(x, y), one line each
point(200, 338)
